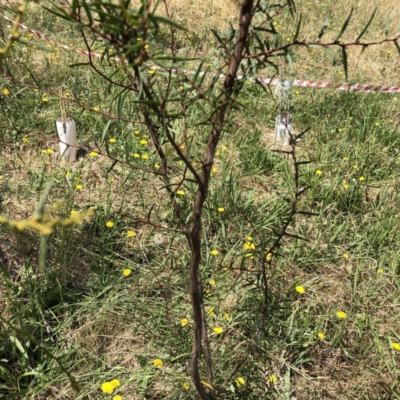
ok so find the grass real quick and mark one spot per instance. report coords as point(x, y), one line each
point(85, 315)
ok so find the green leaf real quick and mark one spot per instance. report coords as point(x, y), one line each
point(298, 29)
point(366, 26)
point(346, 70)
point(387, 30)
point(345, 25)
point(324, 27)
point(79, 65)
point(167, 21)
point(105, 131)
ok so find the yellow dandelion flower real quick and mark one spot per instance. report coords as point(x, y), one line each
point(109, 224)
point(361, 178)
point(217, 153)
point(50, 151)
point(396, 346)
point(6, 92)
point(227, 317)
point(318, 172)
point(380, 271)
point(268, 257)
point(341, 314)
point(45, 99)
point(136, 132)
point(180, 192)
point(107, 387)
point(66, 94)
point(93, 154)
point(221, 209)
point(214, 170)
point(240, 382)
point(115, 383)
point(321, 336)
point(218, 330)
point(249, 246)
point(151, 71)
point(136, 155)
point(346, 186)
point(145, 156)
point(184, 321)
point(212, 282)
point(346, 159)
point(185, 386)
point(300, 289)
point(376, 123)
point(112, 140)
point(214, 252)
point(78, 187)
point(158, 363)
point(273, 378)
point(96, 109)
point(156, 166)
point(143, 142)
point(224, 148)
point(211, 312)
point(127, 272)
point(117, 397)
point(346, 256)
point(355, 166)
point(130, 234)
point(68, 173)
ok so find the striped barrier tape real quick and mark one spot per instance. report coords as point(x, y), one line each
point(265, 81)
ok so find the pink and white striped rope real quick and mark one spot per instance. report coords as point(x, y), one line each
point(265, 81)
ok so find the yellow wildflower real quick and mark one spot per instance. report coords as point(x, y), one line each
point(396, 346)
point(117, 397)
point(318, 172)
point(214, 252)
point(361, 178)
point(227, 317)
point(321, 336)
point(185, 386)
point(130, 234)
point(268, 257)
point(109, 224)
point(341, 314)
point(145, 156)
point(136, 155)
point(380, 271)
point(158, 363)
point(113, 140)
point(127, 272)
point(221, 209)
point(249, 246)
point(300, 289)
point(45, 99)
point(273, 378)
point(346, 256)
point(180, 192)
point(136, 132)
point(78, 187)
point(115, 383)
point(218, 330)
point(346, 186)
point(6, 92)
point(212, 282)
point(93, 154)
point(143, 142)
point(184, 321)
point(240, 382)
point(107, 387)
